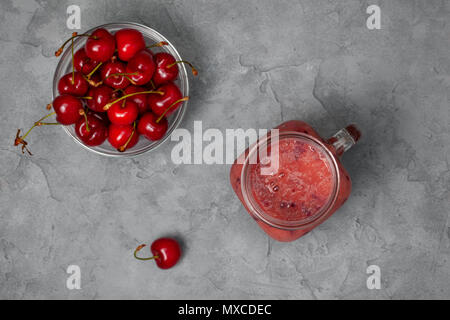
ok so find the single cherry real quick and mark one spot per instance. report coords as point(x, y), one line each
point(167, 68)
point(68, 109)
point(100, 96)
point(123, 112)
point(152, 127)
point(122, 137)
point(73, 84)
point(83, 63)
point(92, 129)
point(129, 42)
point(100, 45)
point(139, 99)
point(113, 75)
point(141, 67)
point(166, 252)
point(160, 103)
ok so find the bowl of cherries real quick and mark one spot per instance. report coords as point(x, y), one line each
point(119, 89)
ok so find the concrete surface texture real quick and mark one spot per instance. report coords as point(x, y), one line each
point(260, 62)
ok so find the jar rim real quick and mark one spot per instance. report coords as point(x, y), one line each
point(259, 213)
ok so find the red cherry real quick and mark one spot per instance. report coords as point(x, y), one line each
point(83, 63)
point(165, 251)
point(122, 137)
point(123, 112)
point(129, 42)
point(151, 128)
point(160, 103)
point(101, 116)
point(100, 45)
point(167, 68)
point(67, 109)
point(78, 87)
point(117, 82)
point(139, 99)
point(95, 132)
point(163, 73)
point(100, 97)
point(141, 67)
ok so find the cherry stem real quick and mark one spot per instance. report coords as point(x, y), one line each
point(21, 139)
point(123, 75)
point(92, 82)
point(93, 71)
point(74, 35)
point(194, 70)
point(108, 105)
point(153, 85)
point(83, 113)
point(159, 44)
point(124, 147)
point(143, 259)
point(36, 124)
point(176, 102)
point(73, 65)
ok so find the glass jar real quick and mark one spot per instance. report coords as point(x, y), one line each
point(308, 186)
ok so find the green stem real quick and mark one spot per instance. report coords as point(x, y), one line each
point(121, 74)
point(124, 147)
point(73, 66)
point(173, 104)
point(159, 44)
point(143, 259)
point(74, 35)
point(93, 71)
point(83, 113)
point(108, 105)
point(36, 124)
point(126, 75)
point(194, 70)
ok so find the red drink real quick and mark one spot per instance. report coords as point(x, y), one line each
point(309, 185)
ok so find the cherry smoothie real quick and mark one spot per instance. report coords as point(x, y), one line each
point(309, 185)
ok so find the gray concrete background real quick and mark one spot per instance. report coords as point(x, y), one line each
point(260, 62)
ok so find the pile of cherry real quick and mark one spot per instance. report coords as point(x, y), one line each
point(118, 90)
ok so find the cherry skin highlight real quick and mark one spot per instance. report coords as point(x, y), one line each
point(149, 127)
point(120, 135)
point(95, 133)
point(129, 42)
point(100, 97)
point(78, 87)
point(117, 82)
point(164, 73)
point(100, 46)
point(83, 63)
point(123, 112)
point(142, 67)
point(160, 103)
point(67, 109)
point(166, 251)
point(139, 99)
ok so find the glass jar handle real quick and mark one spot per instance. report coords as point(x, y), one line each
point(344, 139)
